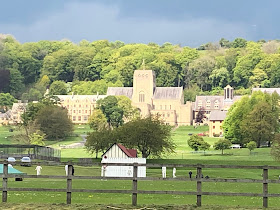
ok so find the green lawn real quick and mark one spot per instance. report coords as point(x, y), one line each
point(183, 155)
point(90, 198)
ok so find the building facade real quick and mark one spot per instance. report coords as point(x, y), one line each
point(214, 103)
point(216, 120)
point(79, 107)
point(168, 102)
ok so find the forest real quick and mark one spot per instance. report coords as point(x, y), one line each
point(28, 69)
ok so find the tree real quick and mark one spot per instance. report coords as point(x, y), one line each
point(239, 43)
point(129, 112)
point(6, 101)
point(200, 115)
point(275, 150)
point(149, 135)
point(222, 144)
point(37, 138)
point(99, 141)
point(58, 88)
point(197, 143)
point(259, 124)
point(4, 79)
point(54, 122)
point(97, 120)
point(251, 146)
point(111, 110)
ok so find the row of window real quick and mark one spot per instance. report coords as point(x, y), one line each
point(80, 111)
point(208, 102)
point(215, 127)
point(208, 106)
point(79, 118)
point(80, 106)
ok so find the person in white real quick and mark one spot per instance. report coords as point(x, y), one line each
point(163, 170)
point(38, 169)
point(66, 170)
point(174, 172)
point(10, 165)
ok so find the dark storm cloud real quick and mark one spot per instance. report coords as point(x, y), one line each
point(178, 21)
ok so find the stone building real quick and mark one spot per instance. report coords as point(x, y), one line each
point(215, 123)
point(79, 107)
point(214, 103)
point(168, 102)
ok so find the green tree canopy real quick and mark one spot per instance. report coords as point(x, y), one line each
point(222, 144)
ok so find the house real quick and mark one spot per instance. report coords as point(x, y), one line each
point(118, 153)
point(168, 102)
point(5, 118)
point(17, 110)
point(216, 120)
point(214, 103)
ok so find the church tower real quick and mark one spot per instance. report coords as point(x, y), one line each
point(144, 84)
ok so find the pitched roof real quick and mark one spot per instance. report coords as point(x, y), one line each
point(132, 153)
point(217, 115)
point(168, 92)
point(120, 91)
point(129, 152)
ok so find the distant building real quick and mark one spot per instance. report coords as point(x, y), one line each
point(215, 103)
point(5, 118)
point(79, 107)
point(168, 102)
point(216, 120)
point(17, 110)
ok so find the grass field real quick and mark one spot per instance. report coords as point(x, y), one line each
point(183, 155)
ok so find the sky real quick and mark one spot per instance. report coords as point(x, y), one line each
point(185, 22)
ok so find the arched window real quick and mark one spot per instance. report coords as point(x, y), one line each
point(141, 96)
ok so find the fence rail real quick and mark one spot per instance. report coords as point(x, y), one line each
point(134, 190)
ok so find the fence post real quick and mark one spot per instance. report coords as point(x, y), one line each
point(69, 183)
point(198, 185)
point(5, 182)
point(265, 187)
point(134, 184)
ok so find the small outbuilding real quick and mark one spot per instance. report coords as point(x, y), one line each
point(118, 153)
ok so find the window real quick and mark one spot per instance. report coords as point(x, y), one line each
point(216, 106)
point(168, 115)
point(74, 111)
point(170, 106)
point(214, 127)
point(141, 97)
point(85, 118)
point(214, 121)
point(163, 115)
point(79, 111)
point(79, 118)
point(85, 111)
point(74, 118)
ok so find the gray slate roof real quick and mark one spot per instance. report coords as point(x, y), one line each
point(120, 91)
point(217, 115)
point(81, 97)
point(220, 99)
point(168, 92)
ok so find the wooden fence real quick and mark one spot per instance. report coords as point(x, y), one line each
point(134, 191)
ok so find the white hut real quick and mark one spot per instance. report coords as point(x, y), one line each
point(117, 153)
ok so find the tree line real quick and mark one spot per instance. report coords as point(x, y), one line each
point(90, 67)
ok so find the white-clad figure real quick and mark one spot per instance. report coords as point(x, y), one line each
point(163, 170)
point(10, 165)
point(38, 169)
point(66, 170)
point(174, 172)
